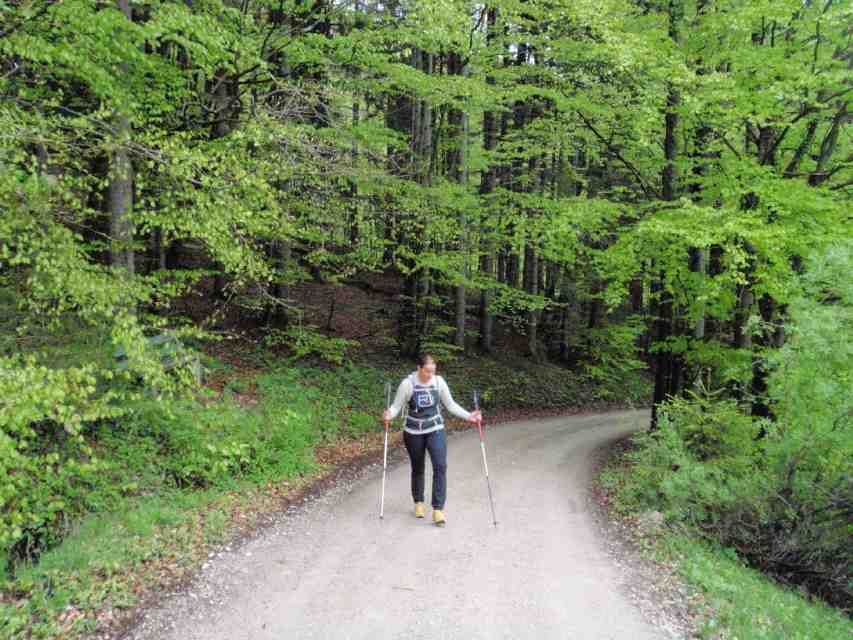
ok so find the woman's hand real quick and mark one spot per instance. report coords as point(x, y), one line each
point(475, 417)
point(386, 415)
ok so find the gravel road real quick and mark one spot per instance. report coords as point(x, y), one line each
point(331, 569)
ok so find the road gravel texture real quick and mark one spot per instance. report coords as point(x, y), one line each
point(331, 569)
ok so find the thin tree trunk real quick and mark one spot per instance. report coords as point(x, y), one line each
point(566, 295)
point(159, 250)
point(827, 147)
point(458, 170)
point(488, 182)
point(121, 186)
point(758, 386)
point(280, 252)
point(486, 318)
point(414, 313)
point(663, 360)
point(353, 183)
point(664, 369)
point(222, 126)
point(699, 264)
point(743, 337)
point(532, 258)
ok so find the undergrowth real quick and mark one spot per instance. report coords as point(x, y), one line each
point(738, 602)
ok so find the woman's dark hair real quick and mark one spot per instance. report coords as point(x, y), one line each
point(423, 358)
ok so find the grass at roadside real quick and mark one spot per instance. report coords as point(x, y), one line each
point(170, 482)
point(746, 604)
point(738, 602)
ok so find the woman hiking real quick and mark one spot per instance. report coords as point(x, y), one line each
point(423, 392)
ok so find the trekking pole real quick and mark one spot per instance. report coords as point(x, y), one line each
point(385, 454)
point(485, 464)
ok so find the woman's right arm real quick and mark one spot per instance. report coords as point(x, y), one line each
point(404, 392)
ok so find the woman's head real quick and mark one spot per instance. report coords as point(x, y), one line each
point(426, 366)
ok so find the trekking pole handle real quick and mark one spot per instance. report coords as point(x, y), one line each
point(387, 401)
point(477, 408)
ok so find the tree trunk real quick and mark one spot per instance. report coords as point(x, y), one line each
point(413, 321)
point(280, 252)
point(663, 359)
point(159, 250)
point(743, 337)
point(488, 182)
point(758, 386)
point(828, 145)
point(121, 186)
point(665, 369)
point(458, 170)
point(532, 259)
point(486, 318)
point(566, 295)
point(222, 126)
point(352, 193)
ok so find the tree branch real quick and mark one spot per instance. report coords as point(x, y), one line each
point(646, 189)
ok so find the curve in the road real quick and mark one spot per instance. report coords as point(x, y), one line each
point(334, 570)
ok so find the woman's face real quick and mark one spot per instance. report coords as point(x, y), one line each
point(426, 372)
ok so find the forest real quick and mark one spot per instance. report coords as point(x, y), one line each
point(635, 193)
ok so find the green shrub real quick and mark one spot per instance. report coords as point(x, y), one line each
point(40, 492)
point(780, 493)
point(346, 399)
point(204, 446)
point(612, 353)
point(668, 477)
point(712, 428)
point(359, 422)
point(304, 340)
point(779, 508)
point(52, 478)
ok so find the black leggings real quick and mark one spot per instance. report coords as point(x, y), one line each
point(417, 445)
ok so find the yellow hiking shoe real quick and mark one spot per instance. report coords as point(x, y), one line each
point(419, 509)
point(438, 517)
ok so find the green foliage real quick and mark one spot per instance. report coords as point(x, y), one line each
point(813, 372)
point(277, 155)
point(666, 477)
point(782, 515)
point(303, 340)
point(47, 465)
point(611, 356)
point(205, 446)
point(740, 602)
point(438, 341)
point(88, 571)
point(516, 382)
point(152, 447)
point(745, 604)
point(344, 401)
point(44, 487)
point(714, 429)
point(734, 600)
point(776, 492)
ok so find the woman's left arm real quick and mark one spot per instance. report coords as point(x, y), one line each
point(447, 400)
